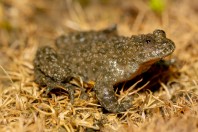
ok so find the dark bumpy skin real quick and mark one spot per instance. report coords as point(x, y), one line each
point(102, 57)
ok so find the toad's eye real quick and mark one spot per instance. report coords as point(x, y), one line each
point(148, 41)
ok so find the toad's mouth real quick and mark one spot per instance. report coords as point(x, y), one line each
point(169, 47)
point(162, 51)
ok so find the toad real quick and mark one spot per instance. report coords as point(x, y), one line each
point(103, 57)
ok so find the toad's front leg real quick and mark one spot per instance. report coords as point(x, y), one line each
point(107, 98)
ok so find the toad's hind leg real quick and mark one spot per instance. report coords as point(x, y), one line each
point(67, 87)
point(50, 72)
point(43, 80)
point(106, 96)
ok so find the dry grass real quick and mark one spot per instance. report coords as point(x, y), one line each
point(26, 24)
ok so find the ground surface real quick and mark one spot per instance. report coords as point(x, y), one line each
point(25, 25)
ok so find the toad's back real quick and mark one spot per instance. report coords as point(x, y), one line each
point(90, 58)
